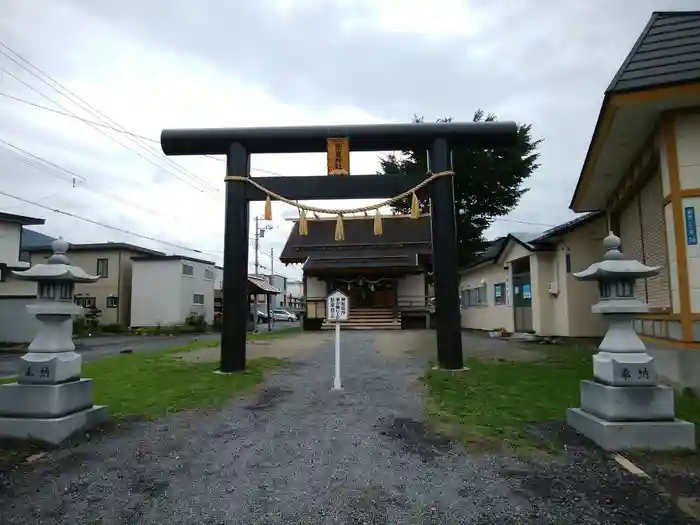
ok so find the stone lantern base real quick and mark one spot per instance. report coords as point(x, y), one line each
point(631, 417)
point(49, 413)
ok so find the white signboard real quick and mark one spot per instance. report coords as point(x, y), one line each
point(337, 306)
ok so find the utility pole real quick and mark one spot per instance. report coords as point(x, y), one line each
point(272, 278)
point(259, 233)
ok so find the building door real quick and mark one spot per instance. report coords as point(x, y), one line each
point(522, 302)
point(384, 294)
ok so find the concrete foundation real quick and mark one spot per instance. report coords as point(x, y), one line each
point(45, 401)
point(52, 430)
point(628, 403)
point(627, 435)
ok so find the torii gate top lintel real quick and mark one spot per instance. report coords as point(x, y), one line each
point(313, 139)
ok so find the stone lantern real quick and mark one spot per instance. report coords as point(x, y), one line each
point(50, 401)
point(624, 407)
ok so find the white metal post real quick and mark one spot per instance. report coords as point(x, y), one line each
point(336, 380)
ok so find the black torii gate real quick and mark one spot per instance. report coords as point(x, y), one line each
point(239, 143)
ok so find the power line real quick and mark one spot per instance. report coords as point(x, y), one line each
point(107, 126)
point(103, 225)
point(66, 170)
point(33, 163)
point(87, 121)
point(91, 109)
point(97, 128)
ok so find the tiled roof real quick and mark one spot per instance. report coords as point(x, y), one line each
point(667, 52)
point(402, 262)
point(32, 239)
point(407, 235)
point(262, 285)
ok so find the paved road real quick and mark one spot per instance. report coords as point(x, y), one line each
point(297, 453)
point(99, 347)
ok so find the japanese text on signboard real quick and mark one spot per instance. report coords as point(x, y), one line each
point(337, 307)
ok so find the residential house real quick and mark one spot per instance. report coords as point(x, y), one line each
point(385, 276)
point(16, 325)
point(642, 169)
point(524, 282)
point(167, 289)
point(112, 262)
point(218, 289)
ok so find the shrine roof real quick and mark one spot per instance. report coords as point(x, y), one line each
point(401, 236)
point(394, 262)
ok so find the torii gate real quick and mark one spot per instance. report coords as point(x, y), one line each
point(239, 143)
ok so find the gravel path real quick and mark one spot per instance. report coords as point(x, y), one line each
point(296, 453)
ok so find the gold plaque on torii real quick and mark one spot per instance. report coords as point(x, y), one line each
point(338, 156)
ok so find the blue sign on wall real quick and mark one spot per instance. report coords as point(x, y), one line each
point(691, 228)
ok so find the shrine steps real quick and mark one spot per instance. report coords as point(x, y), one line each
point(368, 319)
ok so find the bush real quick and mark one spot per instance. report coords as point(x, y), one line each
point(195, 323)
point(80, 326)
point(113, 328)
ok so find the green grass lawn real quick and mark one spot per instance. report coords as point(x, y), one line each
point(155, 384)
point(491, 405)
point(152, 384)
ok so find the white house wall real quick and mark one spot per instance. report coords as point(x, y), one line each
point(10, 234)
point(491, 315)
point(155, 293)
point(543, 302)
point(411, 287)
point(10, 237)
point(196, 284)
point(514, 251)
point(688, 150)
point(315, 288)
point(586, 247)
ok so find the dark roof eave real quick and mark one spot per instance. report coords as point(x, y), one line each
point(147, 258)
point(24, 220)
point(99, 246)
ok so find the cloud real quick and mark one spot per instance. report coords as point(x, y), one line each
point(287, 62)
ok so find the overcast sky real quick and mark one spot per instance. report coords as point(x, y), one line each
point(216, 63)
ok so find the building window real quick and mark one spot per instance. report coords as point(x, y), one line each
point(103, 267)
point(3, 274)
point(198, 298)
point(112, 302)
point(86, 302)
point(499, 293)
point(24, 256)
point(188, 269)
point(474, 297)
point(209, 274)
point(567, 258)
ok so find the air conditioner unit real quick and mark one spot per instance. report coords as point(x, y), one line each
point(553, 288)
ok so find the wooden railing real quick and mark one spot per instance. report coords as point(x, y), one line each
point(414, 302)
point(316, 308)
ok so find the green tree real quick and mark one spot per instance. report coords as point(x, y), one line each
point(488, 184)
